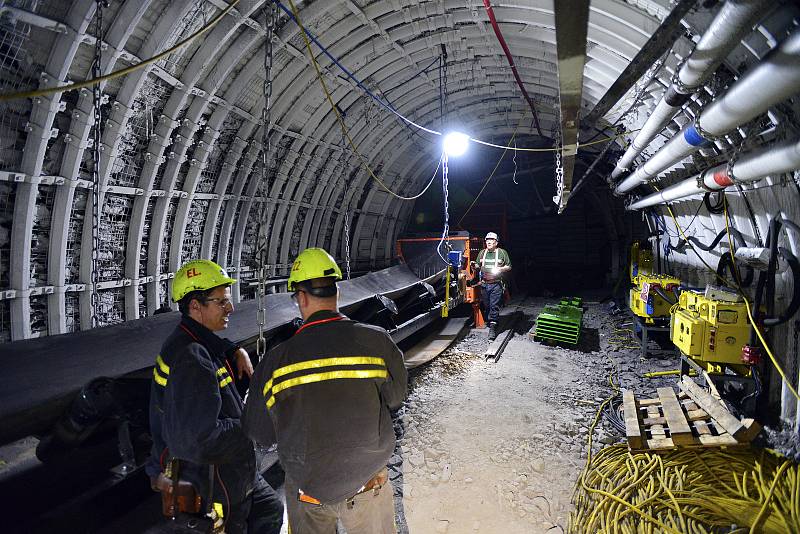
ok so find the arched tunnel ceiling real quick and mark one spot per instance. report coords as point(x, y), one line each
point(181, 139)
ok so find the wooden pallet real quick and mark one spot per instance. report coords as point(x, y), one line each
point(691, 418)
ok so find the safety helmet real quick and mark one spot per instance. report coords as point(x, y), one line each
point(313, 263)
point(491, 235)
point(198, 275)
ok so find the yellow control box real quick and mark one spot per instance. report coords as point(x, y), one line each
point(644, 301)
point(710, 330)
point(641, 261)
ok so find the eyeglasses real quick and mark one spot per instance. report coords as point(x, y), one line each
point(294, 295)
point(221, 302)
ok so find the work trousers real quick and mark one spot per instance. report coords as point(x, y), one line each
point(261, 512)
point(371, 512)
point(491, 299)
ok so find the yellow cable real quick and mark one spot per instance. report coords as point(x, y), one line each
point(336, 111)
point(757, 521)
point(747, 304)
point(741, 292)
point(121, 72)
point(684, 490)
point(513, 135)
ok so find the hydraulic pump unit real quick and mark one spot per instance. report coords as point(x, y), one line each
point(645, 300)
point(710, 330)
point(641, 261)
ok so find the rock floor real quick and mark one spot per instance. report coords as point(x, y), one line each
point(497, 447)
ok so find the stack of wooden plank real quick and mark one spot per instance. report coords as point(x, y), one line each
point(692, 418)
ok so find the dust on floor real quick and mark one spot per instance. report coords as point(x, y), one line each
point(497, 447)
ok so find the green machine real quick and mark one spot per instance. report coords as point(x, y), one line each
point(561, 322)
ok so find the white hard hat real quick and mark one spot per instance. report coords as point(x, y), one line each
point(491, 235)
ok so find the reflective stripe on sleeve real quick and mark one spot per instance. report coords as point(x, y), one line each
point(160, 380)
point(164, 368)
point(161, 365)
point(226, 378)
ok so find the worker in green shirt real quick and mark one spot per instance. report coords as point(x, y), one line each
point(493, 263)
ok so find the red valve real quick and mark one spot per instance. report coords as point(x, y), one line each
point(751, 355)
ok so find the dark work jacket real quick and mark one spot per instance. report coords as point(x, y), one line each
point(195, 413)
point(324, 396)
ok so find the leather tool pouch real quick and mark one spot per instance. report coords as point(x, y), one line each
point(177, 496)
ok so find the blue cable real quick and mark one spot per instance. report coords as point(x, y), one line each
point(348, 73)
point(420, 73)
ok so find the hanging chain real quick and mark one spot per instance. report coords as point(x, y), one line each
point(559, 168)
point(97, 102)
point(446, 229)
point(445, 168)
point(346, 218)
point(270, 14)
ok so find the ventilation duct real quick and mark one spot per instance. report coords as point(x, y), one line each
point(751, 167)
point(775, 79)
point(732, 23)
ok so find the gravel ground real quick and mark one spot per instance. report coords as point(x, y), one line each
point(497, 447)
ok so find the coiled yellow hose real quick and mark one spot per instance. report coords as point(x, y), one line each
point(687, 490)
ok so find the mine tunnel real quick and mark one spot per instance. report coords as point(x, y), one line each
point(560, 237)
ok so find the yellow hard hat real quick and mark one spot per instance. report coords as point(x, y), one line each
point(313, 263)
point(198, 275)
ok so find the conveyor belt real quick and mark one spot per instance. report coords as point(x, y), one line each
point(41, 375)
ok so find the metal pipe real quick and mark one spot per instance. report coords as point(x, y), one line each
point(734, 20)
point(773, 80)
point(750, 167)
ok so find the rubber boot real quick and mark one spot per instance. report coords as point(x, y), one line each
point(492, 331)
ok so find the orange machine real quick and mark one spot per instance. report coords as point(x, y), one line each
point(427, 265)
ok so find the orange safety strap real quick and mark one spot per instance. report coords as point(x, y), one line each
point(302, 497)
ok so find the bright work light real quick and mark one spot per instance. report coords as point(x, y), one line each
point(455, 143)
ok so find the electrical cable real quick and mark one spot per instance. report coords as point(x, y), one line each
point(737, 235)
point(553, 149)
point(753, 323)
point(612, 414)
point(363, 162)
point(716, 208)
point(682, 490)
point(417, 75)
point(211, 24)
point(497, 165)
point(688, 491)
point(121, 72)
point(308, 35)
point(794, 304)
point(293, 15)
point(604, 492)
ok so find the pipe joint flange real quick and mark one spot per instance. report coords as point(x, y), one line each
point(701, 183)
point(676, 80)
point(731, 162)
point(734, 158)
point(707, 136)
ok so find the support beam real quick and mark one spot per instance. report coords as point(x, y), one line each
point(661, 41)
point(572, 22)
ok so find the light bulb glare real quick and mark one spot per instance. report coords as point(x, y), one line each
point(455, 143)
